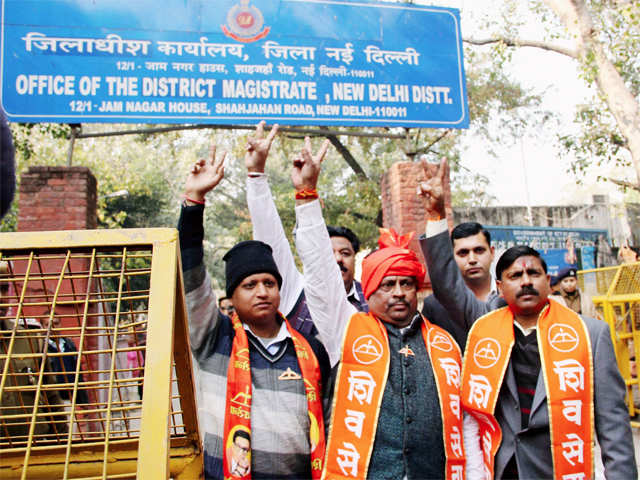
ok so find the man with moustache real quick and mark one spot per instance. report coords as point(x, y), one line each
point(538, 377)
point(561, 382)
point(225, 305)
point(396, 391)
point(267, 227)
point(261, 381)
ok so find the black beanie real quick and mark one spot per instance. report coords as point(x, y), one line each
point(247, 258)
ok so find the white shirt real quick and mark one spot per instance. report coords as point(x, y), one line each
point(272, 344)
point(324, 290)
point(267, 227)
point(525, 331)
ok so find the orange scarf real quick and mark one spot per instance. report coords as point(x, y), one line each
point(566, 364)
point(362, 377)
point(238, 405)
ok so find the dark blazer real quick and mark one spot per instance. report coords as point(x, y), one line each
point(65, 366)
point(532, 445)
point(453, 306)
point(300, 318)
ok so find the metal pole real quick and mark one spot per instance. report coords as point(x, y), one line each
point(305, 131)
point(72, 141)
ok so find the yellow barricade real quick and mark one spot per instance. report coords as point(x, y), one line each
point(94, 356)
point(615, 291)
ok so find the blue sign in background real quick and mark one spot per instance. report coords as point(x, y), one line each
point(220, 61)
point(550, 242)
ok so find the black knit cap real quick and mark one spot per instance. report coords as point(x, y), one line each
point(247, 258)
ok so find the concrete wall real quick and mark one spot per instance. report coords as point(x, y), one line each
point(620, 221)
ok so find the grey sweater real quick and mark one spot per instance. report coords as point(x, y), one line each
point(279, 416)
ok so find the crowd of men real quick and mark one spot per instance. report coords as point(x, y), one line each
point(316, 375)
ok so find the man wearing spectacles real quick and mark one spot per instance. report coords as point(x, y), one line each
point(240, 453)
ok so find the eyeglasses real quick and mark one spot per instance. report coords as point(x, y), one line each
point(406, 284)
point(244, 450)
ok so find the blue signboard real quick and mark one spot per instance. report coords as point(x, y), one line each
point(305, 62)
point(556, 259)
point(551, 243)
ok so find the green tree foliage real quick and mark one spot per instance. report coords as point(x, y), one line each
point(600, 141)
point(604, 38)
point(135, 173)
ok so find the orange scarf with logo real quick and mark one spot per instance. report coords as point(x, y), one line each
point(360, 385)
point(238, 403)
point(567, 369)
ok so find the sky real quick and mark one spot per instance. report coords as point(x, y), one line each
point(532, 168)
point(544, 180)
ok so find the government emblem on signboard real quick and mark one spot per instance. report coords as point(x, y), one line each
point(245, 23)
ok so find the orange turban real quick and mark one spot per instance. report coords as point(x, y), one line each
point(393, 259)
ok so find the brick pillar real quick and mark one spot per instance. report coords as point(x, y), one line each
point(402, 209)
point(57, 198)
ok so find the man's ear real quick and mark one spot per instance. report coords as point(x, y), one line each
point(493, 252)
point(499, 287)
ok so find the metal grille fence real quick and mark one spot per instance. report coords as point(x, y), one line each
point(96, 372)
point(615, 291)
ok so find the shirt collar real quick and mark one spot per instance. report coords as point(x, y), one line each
point(414, 326)
point(282, 335)
point(525, 331)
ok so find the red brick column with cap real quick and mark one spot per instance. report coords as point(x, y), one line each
point(57, 198)
point(402, 209)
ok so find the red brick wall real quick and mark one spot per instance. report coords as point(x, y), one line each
point(402, 209)
point(57, 198)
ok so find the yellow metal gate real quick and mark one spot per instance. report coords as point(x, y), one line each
point(94, 356)
point(615, 291)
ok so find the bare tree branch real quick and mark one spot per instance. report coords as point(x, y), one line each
point(346, 154)
point(428, 146)
point(518, 42)
point(624, 183)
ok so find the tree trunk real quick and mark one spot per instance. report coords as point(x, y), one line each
point(622, 104)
